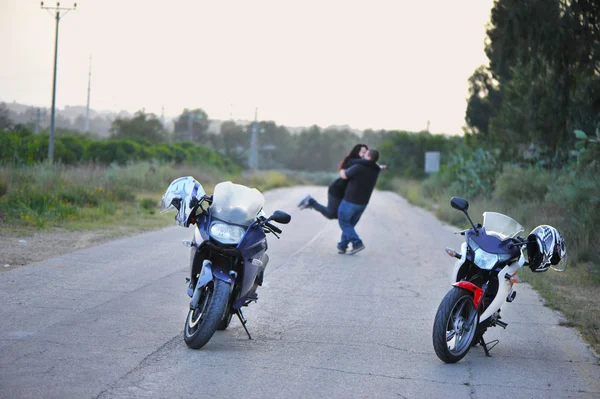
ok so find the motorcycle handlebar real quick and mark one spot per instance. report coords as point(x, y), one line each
point(518, 241)
point(274, 228)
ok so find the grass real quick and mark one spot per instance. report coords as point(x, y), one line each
point(120, 199)
point(575, 293)
point(267, 180)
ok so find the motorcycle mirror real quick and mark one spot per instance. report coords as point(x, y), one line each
point(462, 205)
point(280, 217)
point(459, 203)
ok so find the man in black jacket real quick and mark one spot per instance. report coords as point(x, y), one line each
point(361, 182)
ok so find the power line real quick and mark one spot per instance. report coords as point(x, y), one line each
point(56, 9)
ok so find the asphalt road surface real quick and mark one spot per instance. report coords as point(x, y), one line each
point(107, 321)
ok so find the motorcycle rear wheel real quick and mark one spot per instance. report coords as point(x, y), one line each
point(201, 323)
point(452, 338)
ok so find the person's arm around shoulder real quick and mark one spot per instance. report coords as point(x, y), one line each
point(349, 173)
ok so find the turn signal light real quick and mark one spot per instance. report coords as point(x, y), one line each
point(513, 278)
point(453, 253)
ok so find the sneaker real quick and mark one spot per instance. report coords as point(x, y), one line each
point(341, 251)
point(356, 248)
point(304, 202)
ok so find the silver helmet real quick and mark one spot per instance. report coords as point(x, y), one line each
point(179, 196)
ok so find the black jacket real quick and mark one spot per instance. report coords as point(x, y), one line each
point(338, 187)
point(362, 178)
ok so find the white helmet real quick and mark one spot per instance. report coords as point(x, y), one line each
point(546, 247)
point(180, 195)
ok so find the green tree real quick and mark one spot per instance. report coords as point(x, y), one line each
point(142, 127)
point(5, 122)
point(192, 125)
point(317, 150)
point(543, 78)
point(305, 154)
point(275, 143)
point(404, 152)
point(484, 101)
point(235, 141)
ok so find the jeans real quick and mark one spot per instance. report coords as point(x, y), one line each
point(331, 210)
point(348, 216)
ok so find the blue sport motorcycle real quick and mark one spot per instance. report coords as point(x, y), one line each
point(228, 252)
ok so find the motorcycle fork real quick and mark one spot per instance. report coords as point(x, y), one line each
point(474, 314)
point(487, 346)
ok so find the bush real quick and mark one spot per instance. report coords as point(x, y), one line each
point(472, 173)
point(149, 205)
point(109, 151)
point(264, 181)
point(435, 187)
point(3, 186)
point(575, 195)
point(518, 184)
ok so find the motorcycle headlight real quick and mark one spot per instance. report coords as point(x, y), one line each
point(485, 260)
point(226, 234)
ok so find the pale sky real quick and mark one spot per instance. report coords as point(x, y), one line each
point(368, 64)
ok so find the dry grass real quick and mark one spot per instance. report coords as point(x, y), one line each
point(135, 210)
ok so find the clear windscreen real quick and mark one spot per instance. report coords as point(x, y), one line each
point(235, 203)
point(501, 225)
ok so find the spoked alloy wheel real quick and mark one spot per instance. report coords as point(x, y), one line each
point(452, 337)
point(201, 323)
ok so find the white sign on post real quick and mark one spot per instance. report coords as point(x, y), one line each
point(432, 162)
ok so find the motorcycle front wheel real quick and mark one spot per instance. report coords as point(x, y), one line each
point(452, 337)
point(201, 323)
point(224, 323)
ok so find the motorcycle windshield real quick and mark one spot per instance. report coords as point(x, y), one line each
point(500, 225)
point(236, 204)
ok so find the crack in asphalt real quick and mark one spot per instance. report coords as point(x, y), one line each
point(384, 376)
point(472, 385)
point(25, 356)
point(317, 294)
point(468, 383)
point(359, 344)
point(145, 362)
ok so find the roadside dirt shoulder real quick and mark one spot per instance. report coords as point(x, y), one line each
point(19, 249)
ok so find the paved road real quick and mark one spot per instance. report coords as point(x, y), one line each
point(106, 322)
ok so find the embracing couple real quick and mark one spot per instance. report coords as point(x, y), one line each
point(349, 195)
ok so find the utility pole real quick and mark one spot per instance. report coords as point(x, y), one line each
point(37, 121)
point(86, 127)
point(253, 158)
point(56, 9)
point(190, 126)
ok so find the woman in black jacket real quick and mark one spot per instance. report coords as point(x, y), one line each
point(335, 192)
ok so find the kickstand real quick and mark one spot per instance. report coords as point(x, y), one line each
point(240, 315)
point(485, 345)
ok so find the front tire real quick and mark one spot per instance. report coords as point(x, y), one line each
point(452, 338)
point(201, 323)
point(224, 323)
